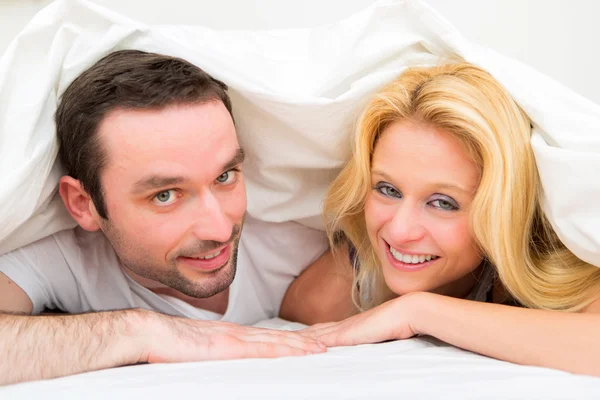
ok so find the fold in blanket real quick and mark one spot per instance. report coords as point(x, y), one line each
point(296, 94)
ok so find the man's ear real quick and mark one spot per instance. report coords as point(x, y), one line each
point(79, 203)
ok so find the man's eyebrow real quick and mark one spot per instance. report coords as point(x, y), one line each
point(156, 182)
point(235, 161)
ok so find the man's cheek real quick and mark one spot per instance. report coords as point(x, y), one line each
point(163, 232)
point(240, 203)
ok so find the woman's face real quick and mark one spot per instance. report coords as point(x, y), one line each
point(417, 213)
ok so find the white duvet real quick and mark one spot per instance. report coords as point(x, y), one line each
point(296, 95)
point(420, 368)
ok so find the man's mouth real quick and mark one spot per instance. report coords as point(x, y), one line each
point(209, 256)
point(208, 262)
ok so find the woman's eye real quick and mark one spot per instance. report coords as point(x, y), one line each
point(388, 191)
point(165, 198)
point(444, 205)
point(226, 177)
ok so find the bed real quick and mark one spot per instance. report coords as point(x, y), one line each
point(418, 368)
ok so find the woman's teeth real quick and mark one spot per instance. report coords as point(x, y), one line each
point(411, 258)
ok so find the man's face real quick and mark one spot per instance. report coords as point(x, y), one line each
point(175, 194)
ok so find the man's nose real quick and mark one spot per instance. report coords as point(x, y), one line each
point(406, 225)
point(211, 222)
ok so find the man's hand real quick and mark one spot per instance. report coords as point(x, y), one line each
point(172, 339)
point(45, 347)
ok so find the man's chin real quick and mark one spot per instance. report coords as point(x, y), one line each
point(202, 284)
point(206, 278)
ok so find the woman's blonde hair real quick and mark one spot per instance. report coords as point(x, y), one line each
point(506, 214)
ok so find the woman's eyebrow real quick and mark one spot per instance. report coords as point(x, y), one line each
point(452, 186)
point(435, 185)
point(381, 174)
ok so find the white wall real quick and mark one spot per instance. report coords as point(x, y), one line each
point(557, 37)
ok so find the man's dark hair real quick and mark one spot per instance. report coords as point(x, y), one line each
point(126, 79)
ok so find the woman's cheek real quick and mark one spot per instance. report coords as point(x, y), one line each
point(376, 216)
point(453, 235)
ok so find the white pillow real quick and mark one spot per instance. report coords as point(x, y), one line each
point(296, 95)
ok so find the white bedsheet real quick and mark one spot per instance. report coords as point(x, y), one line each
point(420, 368)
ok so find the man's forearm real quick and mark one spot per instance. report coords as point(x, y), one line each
point(42, 347)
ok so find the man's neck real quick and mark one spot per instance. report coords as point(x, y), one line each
point(217, 303)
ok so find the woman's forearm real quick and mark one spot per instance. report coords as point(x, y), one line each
point(565, 341)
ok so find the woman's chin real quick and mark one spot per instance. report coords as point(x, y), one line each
point(406, 283)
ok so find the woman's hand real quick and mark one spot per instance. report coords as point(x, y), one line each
point(389, 321)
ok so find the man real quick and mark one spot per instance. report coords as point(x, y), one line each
point(154, 182)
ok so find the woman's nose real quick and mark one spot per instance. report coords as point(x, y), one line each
point(406, 225)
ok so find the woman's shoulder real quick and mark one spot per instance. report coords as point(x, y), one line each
point(489, 288)
point(500, 295)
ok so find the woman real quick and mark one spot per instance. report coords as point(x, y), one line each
point(437, 229)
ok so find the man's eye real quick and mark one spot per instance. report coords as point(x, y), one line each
point(165, 198)
point(227, 177)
